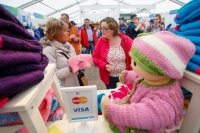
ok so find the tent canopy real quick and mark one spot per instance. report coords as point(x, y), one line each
point(75, 8)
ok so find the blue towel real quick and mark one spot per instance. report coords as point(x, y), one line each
point(188, 13)
point(190, 26)
point(99, 97)
point(186, 93)
point(193, 39)
point(195, 32)
point(197, 50)
point(192, 67)
point(195, 59)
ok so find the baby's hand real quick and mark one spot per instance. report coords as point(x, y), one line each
point(132, 131)
point(104, 100)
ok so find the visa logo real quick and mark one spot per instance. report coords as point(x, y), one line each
point(81, 109)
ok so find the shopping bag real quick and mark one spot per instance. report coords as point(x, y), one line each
point(82, 79)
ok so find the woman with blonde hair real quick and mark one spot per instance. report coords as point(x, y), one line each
point(59, 51)
point(111, 52)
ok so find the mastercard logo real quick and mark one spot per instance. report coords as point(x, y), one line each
point(79, 100)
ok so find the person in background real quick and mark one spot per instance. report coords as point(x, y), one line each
point(111, 52)
point(41, 29)
point(59, 51)
point(99, 32)
point(151, 22)
point(128, 23)
point(88, 36)
point(156, 27)
point(135, 27)
point(37, 34)
point(73, 23)
point(122, 25)
point(74, 38)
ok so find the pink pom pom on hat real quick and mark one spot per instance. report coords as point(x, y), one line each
point(162, 53)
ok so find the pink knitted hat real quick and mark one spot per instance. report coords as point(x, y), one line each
point(162, 54)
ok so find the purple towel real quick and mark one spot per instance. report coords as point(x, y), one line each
point(14, 43)
point(14, 58)
point(11, 85)
point(22, 68)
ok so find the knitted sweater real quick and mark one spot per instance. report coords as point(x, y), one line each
point(152, 108)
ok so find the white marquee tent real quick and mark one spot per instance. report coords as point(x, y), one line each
point(77, 8)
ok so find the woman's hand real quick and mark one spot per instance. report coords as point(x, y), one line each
point(109, 68)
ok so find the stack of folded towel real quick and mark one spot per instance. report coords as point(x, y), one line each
point(188, 20)
point(21, 60)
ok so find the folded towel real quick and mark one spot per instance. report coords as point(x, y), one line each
point(195, 59)
point(193, 67)
point(190, 26)
point(11, 42)
point(99, 97)
point(10, 119)
point(188, 13)
point(195, 32)
point(193, 39)
point(56, 115)
point(22, 68)
point(186, 93)
point(197, 50)
point(3, 101)
point(11, 85)
point(14, 58)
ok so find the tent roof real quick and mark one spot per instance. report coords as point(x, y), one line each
point(54, 8)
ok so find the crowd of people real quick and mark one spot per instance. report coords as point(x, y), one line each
point(109, 45)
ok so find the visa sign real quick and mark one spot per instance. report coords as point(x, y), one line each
point(83, 109)
point(79, 100)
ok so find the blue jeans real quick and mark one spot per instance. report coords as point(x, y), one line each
point(83, 51)
point(113, 82)
point(90, 48)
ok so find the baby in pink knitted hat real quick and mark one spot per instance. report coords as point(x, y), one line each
point(156, 102)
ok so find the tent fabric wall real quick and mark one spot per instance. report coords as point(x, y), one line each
point(52, 8)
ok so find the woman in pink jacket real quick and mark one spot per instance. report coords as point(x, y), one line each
point(111, 52)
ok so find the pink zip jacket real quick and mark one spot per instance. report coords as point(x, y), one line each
point(101, 51)
point(151, 109)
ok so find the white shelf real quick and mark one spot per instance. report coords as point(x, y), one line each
point(26, 103)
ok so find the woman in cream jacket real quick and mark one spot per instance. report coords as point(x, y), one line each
point(59, 51)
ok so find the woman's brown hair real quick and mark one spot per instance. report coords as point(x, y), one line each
point(54, 28)
point(112, 24)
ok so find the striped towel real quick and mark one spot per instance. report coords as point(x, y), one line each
point(49, 112)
